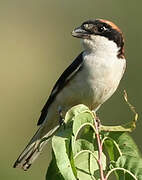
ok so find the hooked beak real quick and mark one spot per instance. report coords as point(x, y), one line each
point(80, 33)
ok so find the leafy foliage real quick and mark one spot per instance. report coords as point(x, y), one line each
point(76, 153)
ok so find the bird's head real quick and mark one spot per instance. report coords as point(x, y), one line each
point(100, 33)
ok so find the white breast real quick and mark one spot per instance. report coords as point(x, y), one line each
point(102, 74)
point(94, 84)
point(98, 78)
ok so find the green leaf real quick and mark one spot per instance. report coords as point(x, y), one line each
point(87, 166)
point(84, 139)
point(125, 143)
point(132, 164)
point(53, 172)
point(112, 148)
point(83, 144)
point(61, 146)
point(82, 129)
point(74, 111)
point(127, 168)
point(129, 161)
point(81, 119)
point(76, 151)
point(79, 124)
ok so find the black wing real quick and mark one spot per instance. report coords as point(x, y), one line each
point(66, 75)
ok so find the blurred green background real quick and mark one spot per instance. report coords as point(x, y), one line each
point(35, 47)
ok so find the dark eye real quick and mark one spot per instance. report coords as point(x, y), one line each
point(102, 29)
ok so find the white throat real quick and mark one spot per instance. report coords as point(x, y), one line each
point(100, 45)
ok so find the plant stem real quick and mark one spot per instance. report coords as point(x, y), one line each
point(99, 151)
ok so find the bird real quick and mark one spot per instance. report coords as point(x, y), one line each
point(91, 79)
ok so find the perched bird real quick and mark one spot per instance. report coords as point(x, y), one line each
point(91, 79)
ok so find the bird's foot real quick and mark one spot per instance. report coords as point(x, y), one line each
point(97, 119)
point(98, 122)
point(61, 119)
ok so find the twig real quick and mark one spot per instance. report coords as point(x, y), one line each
point(99, 150)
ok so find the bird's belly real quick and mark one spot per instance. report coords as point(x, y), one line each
point(86, 88)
